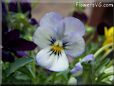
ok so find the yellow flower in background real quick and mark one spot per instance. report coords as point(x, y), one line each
point(109, 35)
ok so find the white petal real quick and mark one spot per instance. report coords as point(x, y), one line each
point(50, 19)
point(44, 59)
point(76, 45)
point(42, 36)
point(74, 25)
point(52, 62)
point(60, 63)
point(60, 29)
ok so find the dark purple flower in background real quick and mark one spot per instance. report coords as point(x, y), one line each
point(26, 8)
point(14, 46)
point(100, 28)
point(4, 14)
point(23, 6)
point(13, 6)
point(4, 11)
point(81, 16)
point(33, 21)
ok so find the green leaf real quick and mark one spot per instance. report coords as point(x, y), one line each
point(21, 76)
point(108, 80)
point(103, 76)
point(89, 29)
point(109, 70)
point(29, 67)
point(17, 64)
point(106, 75)
point(100, 65)
point(27, 70)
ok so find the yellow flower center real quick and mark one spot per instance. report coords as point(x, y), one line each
point(57, 47)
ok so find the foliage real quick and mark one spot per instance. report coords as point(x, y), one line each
point(25, 71)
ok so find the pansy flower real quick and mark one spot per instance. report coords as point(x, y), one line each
point(78, 69)
point(57, 38)
point(14, 46)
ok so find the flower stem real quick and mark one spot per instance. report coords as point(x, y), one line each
point(109, 51)
point(102, 49)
